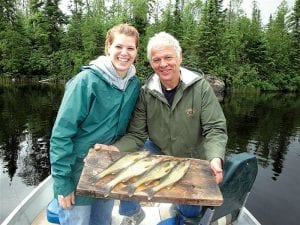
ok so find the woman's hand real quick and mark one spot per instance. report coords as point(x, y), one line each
point(67, 201)
point(99, 147)
point(216, 167)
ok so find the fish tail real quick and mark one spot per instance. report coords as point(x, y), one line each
point(131, 189)
point(105, 189)
point(150, 192)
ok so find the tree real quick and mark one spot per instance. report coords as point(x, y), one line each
point(14, 45)
point(138, 11)
point(295, 46)
point(278, 47)
point(189, 35)
point(45, 26)
point(232, 39)
point(210, 35)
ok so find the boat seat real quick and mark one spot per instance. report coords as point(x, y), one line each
point(239, 175)
point(52, 211)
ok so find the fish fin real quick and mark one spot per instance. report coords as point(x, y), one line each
point(150, 192)
point(148, 182)
point(106, 189)
point(131, 189)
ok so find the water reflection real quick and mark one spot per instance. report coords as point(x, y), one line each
point(27, 116)
point(263, 123)
point(267, 125)
point(260, 123)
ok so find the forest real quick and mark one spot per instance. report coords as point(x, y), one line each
point(39, 41)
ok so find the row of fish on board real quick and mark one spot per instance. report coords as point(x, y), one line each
point(147, 168)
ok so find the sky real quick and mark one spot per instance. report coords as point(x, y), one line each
point(266, 7)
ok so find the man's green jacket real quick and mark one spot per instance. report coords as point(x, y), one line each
point(193, 126)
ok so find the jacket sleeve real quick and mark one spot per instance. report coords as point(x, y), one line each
point(72, 112)
point(213, 124)
point(137, 130)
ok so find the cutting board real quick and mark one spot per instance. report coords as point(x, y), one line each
point(197, 187)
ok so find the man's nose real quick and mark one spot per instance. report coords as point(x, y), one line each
point(163, 62)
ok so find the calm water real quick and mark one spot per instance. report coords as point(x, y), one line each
point(267, 125)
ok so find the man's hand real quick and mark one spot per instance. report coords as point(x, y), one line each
point(99, 147)
point(68, 201)
point(216, 167)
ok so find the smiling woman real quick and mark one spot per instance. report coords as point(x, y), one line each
point(96, 108)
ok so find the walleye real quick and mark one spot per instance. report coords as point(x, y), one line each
point(120, 164)
point(160, 170)
point(133, 170)
point(175, 175)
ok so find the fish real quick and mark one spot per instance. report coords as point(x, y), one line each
point(120, 164)
point(171, 178)
point(133, 170)
point(160, 170)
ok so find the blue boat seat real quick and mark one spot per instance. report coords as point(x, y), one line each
point(239, 175)
point(52, 211)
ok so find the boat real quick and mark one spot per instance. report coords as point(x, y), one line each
point(35, 210)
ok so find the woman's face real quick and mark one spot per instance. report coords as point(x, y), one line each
point(122, 52)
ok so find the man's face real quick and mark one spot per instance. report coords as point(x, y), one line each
point(166, 63)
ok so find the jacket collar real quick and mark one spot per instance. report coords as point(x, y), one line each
point(187, 78)
point(105, 69)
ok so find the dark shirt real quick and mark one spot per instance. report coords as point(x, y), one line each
point(169, 94)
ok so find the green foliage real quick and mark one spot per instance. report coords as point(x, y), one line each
point(210, 36)
point(39, 41)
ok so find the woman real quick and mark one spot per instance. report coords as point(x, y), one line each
point(96, 108)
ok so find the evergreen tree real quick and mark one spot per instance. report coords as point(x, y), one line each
point(46, 31)
point(295, 46)
point(210, 36)
point(71, 43)
point(278, 46)
point(138, 14)
point(232, 40)
point(189, 34)
point(37, 39)
point(14, 46)
point(253, 52)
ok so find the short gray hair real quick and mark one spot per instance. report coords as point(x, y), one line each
point(165, 39)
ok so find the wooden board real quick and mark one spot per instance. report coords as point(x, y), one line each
point(197, 187)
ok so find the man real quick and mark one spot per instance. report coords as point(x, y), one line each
point(179, 113)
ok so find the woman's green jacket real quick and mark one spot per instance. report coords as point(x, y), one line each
point(93, 110)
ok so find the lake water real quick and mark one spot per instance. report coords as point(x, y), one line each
point(265, 124)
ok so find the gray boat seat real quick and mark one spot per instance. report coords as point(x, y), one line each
point(240, 172)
